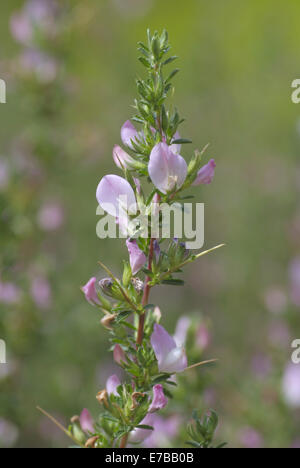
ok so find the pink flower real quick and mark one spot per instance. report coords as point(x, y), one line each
point(181, 331)
point(164, 431)
point(129, 133)
point(206, 173)
point(250, 438)
point(159, 400)
point(112, 384)
point(167, 170)
point(121, 158)
point(86, 421)
point(42, 66)
point(116, 196)
point(51, 216)
point(21, 28)
point(170, 357)
point(203, 337)
point(119, 355)
point(291, 385)
point(9, 293)
point(41, 292)
point(4, 175)
point(90, 292)
point(139, 435)
point(137, 257)
point(294, 273)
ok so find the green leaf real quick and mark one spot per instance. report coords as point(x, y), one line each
point(144, 426)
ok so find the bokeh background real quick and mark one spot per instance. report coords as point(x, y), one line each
point(69, 90)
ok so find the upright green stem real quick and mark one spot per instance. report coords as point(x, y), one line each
point(145, 299)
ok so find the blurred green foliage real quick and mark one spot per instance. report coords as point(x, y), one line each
point(238, 60)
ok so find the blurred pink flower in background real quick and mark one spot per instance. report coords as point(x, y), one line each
point(181, 331)
point(203, 337)
point(250, 438)
point(8, 433)
point(275, 300)
point(41, 292)
point(165, 431)
point(44, 67)
point(279, 334)
point(9, 293)
point(291, 385)
point(4, 175)
point(261, 365)
point(294, 274)
point(51, 216)
point(36, 15)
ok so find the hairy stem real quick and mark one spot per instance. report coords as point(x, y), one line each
point(145, 299)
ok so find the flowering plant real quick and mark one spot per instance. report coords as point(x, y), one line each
point(148, 355)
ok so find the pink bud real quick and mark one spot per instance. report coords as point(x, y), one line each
point(206, 173)
point(137, 257)
point(90, 292)
point(159, 400)
point(170, 357)
point(116, 196)
point(128, 133)
point(121, 158)
point(167, 170)
point(86, 421)
point(119, 355)
point(112, 384)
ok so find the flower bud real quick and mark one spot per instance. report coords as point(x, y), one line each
point(119, 355)
point(89, 290)
point(159, 400)
point(109, 288)
point(206, 173)
point(86, 421)
point(137, 257)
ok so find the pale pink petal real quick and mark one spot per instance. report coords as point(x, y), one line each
point(159, 400)
point(86, 421)
point(90, 292)
point(206, 173)
point(137, 257)
point(112, 384)
point(128, 133)
point(121, 158)
point(167, 170)
point(116, 196)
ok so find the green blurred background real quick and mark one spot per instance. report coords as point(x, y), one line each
point(237, 62)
